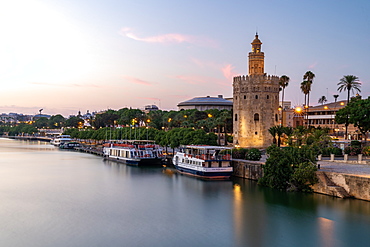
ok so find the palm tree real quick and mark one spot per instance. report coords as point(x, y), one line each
point(308, 77)
point(335, 97)
point(322, 100)
point(283, 82)
point(305, 91)
point(349, 83)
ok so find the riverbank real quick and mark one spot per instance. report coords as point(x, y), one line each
point(336, 178)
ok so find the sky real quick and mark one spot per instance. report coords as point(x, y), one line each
point(65, 56)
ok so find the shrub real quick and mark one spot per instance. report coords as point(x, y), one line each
point(355, 143)
point(366, 151)
point(331, 150)
point(239, 153)
point(352, 150)
point(253, 154)
point(303, 177)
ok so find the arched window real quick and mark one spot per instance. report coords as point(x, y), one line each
point(236, 117)
point(256, 117)
point(256, 96)
point(267, 97)
point(245, 96)
point(276, 117)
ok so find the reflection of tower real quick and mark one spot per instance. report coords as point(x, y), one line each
point(256, 101)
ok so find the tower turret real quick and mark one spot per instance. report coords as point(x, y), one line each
point(256, 58)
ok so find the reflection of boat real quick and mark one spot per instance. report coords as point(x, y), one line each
point(61, 139)
point(69, 145)
point(134, 152)
point(204, 161)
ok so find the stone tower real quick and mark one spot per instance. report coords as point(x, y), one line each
point(256, 102)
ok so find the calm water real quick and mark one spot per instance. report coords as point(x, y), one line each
point(53, 198)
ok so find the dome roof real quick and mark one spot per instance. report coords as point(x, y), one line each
point(256, 40)
point(207, 101)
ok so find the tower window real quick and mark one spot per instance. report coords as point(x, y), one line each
point(256, 117)
point(256, 96)
point(276, 117)
point(236, 97)
point(256, 133)
point(236, 117)
point(245, 96)
point(267, 97)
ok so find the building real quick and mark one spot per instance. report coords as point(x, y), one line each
point(206, 103)
point(255, 102)
point(149, 108)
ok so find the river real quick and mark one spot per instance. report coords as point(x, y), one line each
point(52, 197)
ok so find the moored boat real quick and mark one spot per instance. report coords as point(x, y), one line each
point(211, 162)
point(134, 152)
point(61, 139)
point(69, 145)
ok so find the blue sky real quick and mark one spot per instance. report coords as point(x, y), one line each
point(64, 55)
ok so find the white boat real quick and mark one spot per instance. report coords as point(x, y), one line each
point(211, 162)
point(134, 152)
point(61, 139)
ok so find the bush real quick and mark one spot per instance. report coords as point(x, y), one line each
point(366, 151)
point(352, 150)
point(355, 143)
point(253, 154)
point(292, 169)
point(331, 150)
point(239, 153)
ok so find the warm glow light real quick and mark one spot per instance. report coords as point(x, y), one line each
point(325, 107)
point(341, 103)
point(298, 109)
point(210, 115)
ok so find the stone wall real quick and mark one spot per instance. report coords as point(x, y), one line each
point(247, 169)
point(330, 183)
point(343, 185)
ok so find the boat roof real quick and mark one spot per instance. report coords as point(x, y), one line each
point(132, 141)
point(204, 147)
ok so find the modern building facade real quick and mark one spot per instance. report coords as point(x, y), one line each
point(255, 102)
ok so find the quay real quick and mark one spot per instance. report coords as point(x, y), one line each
point(336, 178)
point(31, 138)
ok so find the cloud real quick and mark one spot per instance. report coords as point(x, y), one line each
point(193, 80)
point(138, 81)
point(149, 98)
point(65, 85)
point(228, 71)
point(169, 38)
point(312, 65)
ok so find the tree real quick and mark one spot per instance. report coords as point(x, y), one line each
point(349, 83)
point(74, 122)
point(308, 78)
point(356, 112)
point(56, 121)
point(322, 100)
point(283, 82)
point(335, 97)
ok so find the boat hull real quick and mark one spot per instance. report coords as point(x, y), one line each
point(137, 162)
point(204, 174)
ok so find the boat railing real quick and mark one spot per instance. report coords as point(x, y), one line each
point(207, 157)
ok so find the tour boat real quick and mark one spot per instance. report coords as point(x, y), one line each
point(61, 139)
point(210, 162)
point(69, 145)
point(134, 152)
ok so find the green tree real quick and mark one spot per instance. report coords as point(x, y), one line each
point(356, 112)
point(74, 122)
point(308, 79)
point(40, 123)
point(56, 121)
point(349, 83)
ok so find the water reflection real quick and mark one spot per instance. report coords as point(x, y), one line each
point(54, 198)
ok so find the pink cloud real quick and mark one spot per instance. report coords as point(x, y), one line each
point(312, 65)
point(137, 81)
point(193, 80)
point(65, 85)
point(228, 72)
point(170, 38)
point(149, 98)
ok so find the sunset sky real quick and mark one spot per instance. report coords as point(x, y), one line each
point(69, 55)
